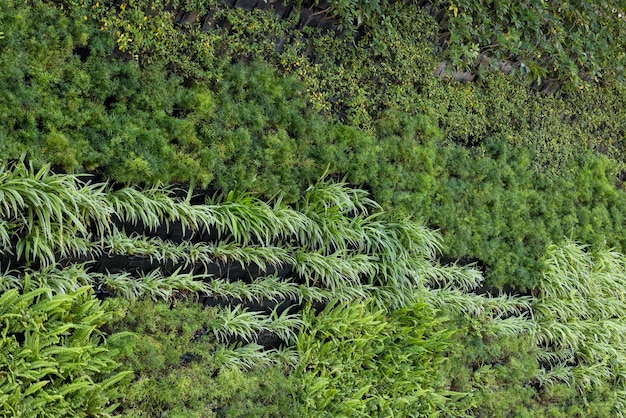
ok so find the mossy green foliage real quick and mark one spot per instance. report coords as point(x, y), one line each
point(502, 170)
point(72, 104)
point(494, 206)
point(53, 360)
point(178, 374)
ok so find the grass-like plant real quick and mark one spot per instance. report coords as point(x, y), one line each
point(49, 213)
point(238, 323)
point(580, 308)
point(336, 238)
point(153, 284)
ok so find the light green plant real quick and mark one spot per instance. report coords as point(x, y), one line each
point(358, 360)
point(579, 309)
point(153, 284)
point(239, 323)
point(54, 360)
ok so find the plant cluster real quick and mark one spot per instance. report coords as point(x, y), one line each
point(359, 360)
point(569, 40)
point(237, 124)
point(181, 370)
point(339, 244)
point(53, 359)
point(564, 355)
point(123, 90)
point(379, 278)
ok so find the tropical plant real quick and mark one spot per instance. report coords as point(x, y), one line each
point(358, 360)
point(54, 360)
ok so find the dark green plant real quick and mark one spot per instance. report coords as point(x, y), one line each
point(568, 40)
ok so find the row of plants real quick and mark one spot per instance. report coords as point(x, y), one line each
point(72, 217)
point(378, 347)
point(423, 147)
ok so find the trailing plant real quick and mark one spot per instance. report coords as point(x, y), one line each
point(154, 284)
point(49, 213)
point(337, 238)
point(232, 323)
point(567, 40)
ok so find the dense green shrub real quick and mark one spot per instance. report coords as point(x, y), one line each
point(491, 205)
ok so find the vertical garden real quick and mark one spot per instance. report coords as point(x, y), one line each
point(324, 209)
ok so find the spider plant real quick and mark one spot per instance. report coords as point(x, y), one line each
point(325, 196)
point(153, 248)
point(5, 236)
point(579, 310)
point(266, 288)
point(230, 289)
point(274, 289)
point(151, 206)
point(285, 325)
point(464, 278)
point(48, 213)
point(246, 218)
point(287, 356)
point(237, 323)
point(334, 271)
point(153, 284)
point(513, 326)
point(60, 280)
point(243, 357)
point(262, 256)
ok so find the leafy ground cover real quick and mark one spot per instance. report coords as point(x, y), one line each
point(503, 172)
point(393, 315)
